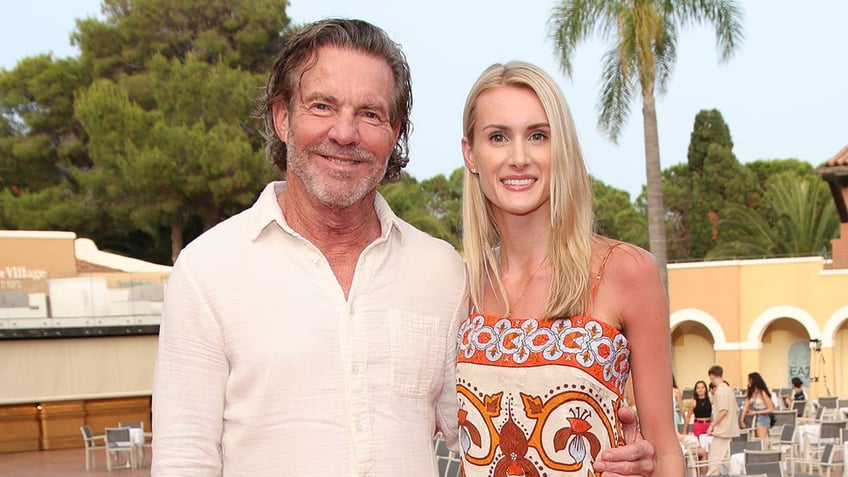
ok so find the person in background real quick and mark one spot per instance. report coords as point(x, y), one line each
point(758, 403)
point(725, 425)
point(677, 404)
point(315, 333)
point(700, 409)
point(558, 313)
point(798, 392)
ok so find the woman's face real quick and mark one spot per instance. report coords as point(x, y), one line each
point(511, 150)
point(701, 389)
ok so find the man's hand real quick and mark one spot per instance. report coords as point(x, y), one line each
point(634, 459)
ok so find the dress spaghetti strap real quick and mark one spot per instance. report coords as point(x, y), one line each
point(600, 275)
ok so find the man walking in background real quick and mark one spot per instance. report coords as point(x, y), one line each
point(725, 425)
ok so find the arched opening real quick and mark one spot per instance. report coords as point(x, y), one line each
point(785, 353)
point(692, 352)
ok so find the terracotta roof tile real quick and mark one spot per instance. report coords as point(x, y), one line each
point(88, 267)
point(840, 159)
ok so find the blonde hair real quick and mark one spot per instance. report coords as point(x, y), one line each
point(570, 241)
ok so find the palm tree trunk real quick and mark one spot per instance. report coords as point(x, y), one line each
point(176, 241)
point(656, 208)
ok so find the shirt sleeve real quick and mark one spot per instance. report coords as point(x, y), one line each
point(448, 405)
point(188, 383)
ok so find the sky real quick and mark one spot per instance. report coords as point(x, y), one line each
point(783, 95)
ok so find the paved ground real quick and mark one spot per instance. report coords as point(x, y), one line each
point(61, 463)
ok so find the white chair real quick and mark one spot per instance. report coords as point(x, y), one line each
point(91, 445)
point(118, 443)
point(141, 440)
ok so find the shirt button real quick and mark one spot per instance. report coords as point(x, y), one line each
point(354, 369)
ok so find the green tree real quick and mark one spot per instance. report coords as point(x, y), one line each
point(799, 219)
point(243, 34)
point(677, 197)
point(615, 215)
point(717, 180)
point(186, 160)
point(443, 198)
point(764, 169)
point(409, 201)
point(39, 140)
point(643, 36)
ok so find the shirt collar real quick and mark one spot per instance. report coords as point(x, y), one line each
point(266, 210)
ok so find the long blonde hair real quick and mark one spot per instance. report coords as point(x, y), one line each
point(570, 242)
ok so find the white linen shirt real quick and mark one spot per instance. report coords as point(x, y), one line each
point(264, 368)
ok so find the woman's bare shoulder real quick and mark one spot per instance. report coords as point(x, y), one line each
point(622, 259)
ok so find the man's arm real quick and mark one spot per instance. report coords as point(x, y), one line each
point(189, 383)
point(636, 458)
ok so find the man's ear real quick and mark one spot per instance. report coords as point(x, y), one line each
point(280, 112)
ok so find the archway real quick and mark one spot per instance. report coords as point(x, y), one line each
point(692, 352)
point(785, 353)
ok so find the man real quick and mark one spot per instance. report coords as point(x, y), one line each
point(725, 425)
point(798, 393)
point(315, 333)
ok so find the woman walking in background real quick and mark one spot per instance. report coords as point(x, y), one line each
point(758, 404)
point(677, 405)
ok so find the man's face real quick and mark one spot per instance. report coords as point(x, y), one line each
point(715, 380)
point(338, 134)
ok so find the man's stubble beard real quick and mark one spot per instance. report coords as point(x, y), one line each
point(342, 193)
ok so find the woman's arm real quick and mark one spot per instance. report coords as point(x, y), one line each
point(744, 413)
point(690, 411)
point(632, 290)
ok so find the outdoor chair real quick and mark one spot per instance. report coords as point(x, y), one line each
point(117, 444)
point(141, 440)
point(822, 462)
point(829, 404)
point(800, 408)
point(91, 445)
point(786, 443)
point(449, 462)
point(764, 462)
point(737, 447)
point(782, 418)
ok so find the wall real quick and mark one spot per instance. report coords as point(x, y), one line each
point(76, 368)
point(746, 314)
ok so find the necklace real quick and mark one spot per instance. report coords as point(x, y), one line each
point(524, 289)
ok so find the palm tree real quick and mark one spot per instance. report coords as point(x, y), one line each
point(644, 35)
point(799, 219)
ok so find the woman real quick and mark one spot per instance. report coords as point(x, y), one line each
point(677, 405)
point(700, 408)
point(557, 312)
point(758, 403)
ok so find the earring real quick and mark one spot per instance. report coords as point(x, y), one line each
point(474, 171)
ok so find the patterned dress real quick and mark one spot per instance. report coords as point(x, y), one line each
point(539, 397)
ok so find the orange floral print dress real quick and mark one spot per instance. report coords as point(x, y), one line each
point(539, 397)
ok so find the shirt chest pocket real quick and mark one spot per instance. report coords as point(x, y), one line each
point(417, 353)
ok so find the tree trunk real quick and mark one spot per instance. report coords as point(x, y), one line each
point(656, 208)
point(176, 241)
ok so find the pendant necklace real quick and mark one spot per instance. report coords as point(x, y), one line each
point(526, 285)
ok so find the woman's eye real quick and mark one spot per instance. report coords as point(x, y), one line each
point(497, 137)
